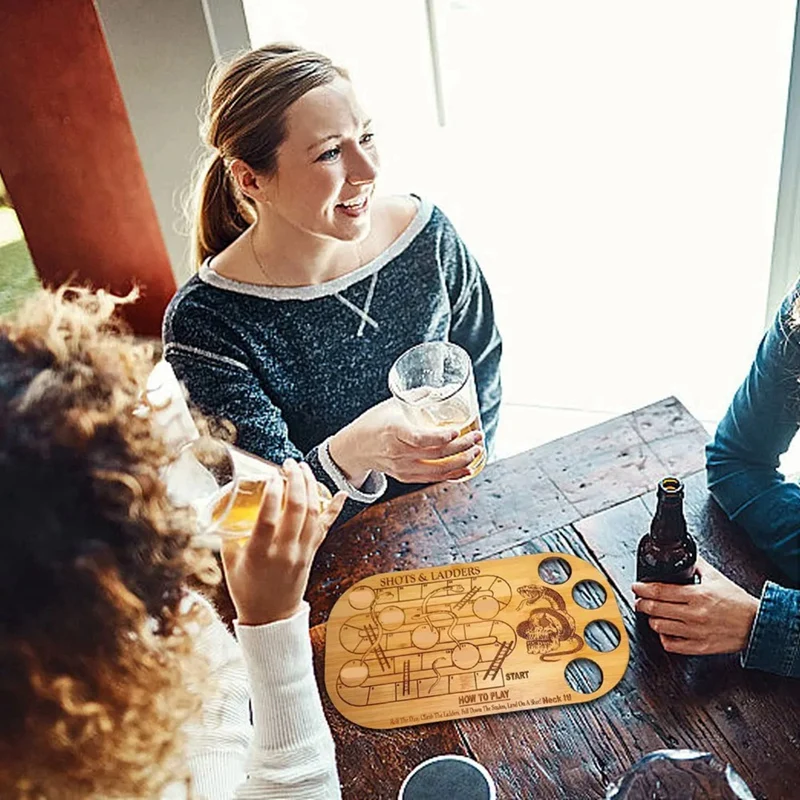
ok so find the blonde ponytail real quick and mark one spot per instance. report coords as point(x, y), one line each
point(220, 217)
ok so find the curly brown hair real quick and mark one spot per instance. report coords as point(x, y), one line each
point(98, 670)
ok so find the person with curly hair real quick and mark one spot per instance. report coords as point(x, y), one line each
point(742, 468)
point(115, 679)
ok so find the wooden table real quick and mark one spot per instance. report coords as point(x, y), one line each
point(591, 494)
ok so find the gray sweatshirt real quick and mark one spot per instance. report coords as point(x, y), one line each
point(290, 366)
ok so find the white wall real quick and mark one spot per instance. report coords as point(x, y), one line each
point(162, 53)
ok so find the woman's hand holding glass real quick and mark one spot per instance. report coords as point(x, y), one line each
point(267, 573)
point(225, 487)
point(383, 439)
point(268, 522)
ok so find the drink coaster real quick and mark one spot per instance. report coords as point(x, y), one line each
point(465, 778)
point(466, 640)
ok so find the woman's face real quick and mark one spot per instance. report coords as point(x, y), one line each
point(327, 165)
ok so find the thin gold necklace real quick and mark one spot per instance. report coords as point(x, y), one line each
point(363, 313)
point(256, 258)
point(262, 268)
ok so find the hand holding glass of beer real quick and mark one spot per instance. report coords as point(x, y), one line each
point(225, 486)
point(435, 386)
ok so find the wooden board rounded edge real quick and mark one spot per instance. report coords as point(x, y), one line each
point(463, 640)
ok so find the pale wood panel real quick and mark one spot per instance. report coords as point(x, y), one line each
point(407, 648)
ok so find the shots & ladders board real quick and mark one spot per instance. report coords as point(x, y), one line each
point(465, 640)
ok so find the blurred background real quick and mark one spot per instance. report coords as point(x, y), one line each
point(615, 168)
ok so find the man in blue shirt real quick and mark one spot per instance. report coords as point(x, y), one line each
point(717, 616)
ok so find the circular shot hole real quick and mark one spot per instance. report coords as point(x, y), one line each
point(584, 676)
point(554, 571)
point(589, 594)
point(602, 636)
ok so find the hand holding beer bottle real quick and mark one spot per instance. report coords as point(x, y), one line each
point(713, 616)
point(692, 607)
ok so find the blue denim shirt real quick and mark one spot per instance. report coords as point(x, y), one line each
point(742, 469)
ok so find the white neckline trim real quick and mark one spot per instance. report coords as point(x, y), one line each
point(420, 220)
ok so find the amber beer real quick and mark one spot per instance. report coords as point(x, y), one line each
point(668, 553)
point(435, 385)
point(235, 516)
point(454, 412)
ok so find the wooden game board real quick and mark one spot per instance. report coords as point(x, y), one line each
point(464, 640)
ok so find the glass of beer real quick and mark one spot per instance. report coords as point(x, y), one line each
point(435, 386)
point(224, 485)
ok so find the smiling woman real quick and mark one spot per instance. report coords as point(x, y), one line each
point(310, 285)
point(328, 164)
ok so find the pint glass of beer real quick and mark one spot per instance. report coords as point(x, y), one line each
point(435, 385)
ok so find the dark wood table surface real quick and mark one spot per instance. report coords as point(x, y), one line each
point(591, 494)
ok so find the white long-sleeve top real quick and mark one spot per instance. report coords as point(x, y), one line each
point(288, 750)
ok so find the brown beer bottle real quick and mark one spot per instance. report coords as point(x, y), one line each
point(668, 553)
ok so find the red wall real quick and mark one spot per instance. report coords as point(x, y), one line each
point(69, 159)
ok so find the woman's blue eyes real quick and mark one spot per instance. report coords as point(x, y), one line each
point(333, 153)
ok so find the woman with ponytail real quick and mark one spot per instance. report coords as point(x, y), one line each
point(220, 219)
point(310, 285)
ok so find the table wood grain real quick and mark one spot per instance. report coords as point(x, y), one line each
point(591, 494)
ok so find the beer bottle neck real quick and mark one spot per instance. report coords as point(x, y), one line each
point(669, 524)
